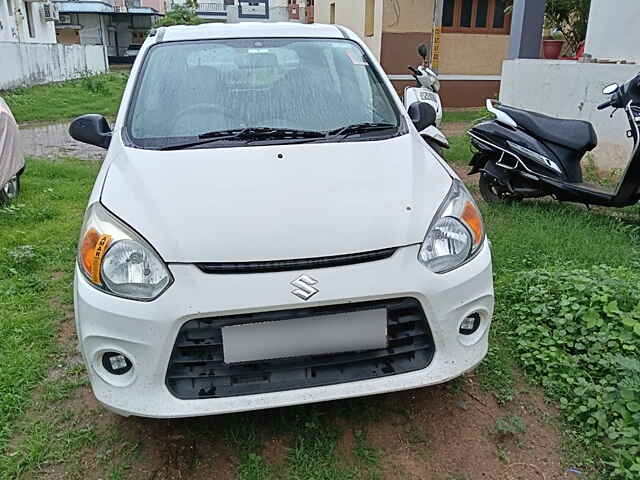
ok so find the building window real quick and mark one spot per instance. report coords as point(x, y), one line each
point(30, 26)
point(253, 9)
point(369, 18)
point(475, 16)
point(332, 13)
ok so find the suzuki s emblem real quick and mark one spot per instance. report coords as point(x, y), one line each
point(304, 287)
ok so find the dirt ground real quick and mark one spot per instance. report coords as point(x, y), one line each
point(52, 140)
point(429, 433)
point(455, 129)
point(447, 432)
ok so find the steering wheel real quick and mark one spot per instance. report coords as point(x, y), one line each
point(203, 108)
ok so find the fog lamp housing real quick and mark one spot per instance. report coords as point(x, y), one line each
point(470, 324)
point(116, 363)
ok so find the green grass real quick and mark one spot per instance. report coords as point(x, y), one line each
point(37, 247)
point(459, 153)
point(544, 234)
point(313, 439)
point(65, 100)
point(464, 116)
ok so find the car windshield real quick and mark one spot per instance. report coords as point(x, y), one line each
point(190, 89)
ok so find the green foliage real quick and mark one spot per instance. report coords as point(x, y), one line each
point(577, 332)
point(313, 457)
point(496, 371)
point(365, 452)
point(570, 17)
point(180, 15)
point(510, 425)
point(95, 83)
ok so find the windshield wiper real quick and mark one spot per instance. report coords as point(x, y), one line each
point(248, 134)
point(251, 133)
point(356, 128)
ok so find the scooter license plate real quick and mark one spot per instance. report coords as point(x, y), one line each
point(426, 96)
point(317, 335)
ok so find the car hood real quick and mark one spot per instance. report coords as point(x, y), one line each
point(277, 202)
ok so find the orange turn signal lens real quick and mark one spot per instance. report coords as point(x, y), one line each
point(471, 216)
point(92, 249)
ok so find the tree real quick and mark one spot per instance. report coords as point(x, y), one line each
point(569, 17)
point(180, 15)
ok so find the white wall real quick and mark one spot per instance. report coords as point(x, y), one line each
point(93, 31)
point(24, 64)
point(15, 27)
point(350, 13)
point(613, 31)
point(565, 89)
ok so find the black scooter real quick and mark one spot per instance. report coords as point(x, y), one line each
point(523, 154)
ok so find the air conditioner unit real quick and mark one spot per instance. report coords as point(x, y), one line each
point(49, 12)
point(65, 19)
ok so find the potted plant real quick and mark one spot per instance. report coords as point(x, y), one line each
point(569, 18)
point(552, 46)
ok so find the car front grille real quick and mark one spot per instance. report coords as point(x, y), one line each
point(297, 264)
point(197, 369)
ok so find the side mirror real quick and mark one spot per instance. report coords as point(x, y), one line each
point(610, 89)
point(423, 51)
point(422, 115)
point(92, 129)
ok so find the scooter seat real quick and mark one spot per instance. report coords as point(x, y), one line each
point(574, 134)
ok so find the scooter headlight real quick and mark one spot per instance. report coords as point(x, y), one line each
point(456, 234)
point(117, 260)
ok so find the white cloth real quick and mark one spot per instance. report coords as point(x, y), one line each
point(11, 157)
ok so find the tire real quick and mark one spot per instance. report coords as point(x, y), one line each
point(494, 192)
point(9, 191)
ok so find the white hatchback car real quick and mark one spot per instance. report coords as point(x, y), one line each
point(269, 229)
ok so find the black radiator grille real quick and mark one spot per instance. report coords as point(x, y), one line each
point(197, 368)
point(296, 264)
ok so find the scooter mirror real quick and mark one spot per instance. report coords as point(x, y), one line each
point(423, 51)
point(610, 89)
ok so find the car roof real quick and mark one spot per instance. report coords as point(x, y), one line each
point(249, 30)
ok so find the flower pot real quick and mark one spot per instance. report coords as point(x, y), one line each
point(552, 48)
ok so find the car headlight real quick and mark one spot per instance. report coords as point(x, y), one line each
point(456, 233)
point(117, 260)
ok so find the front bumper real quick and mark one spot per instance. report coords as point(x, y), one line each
point(146, 332)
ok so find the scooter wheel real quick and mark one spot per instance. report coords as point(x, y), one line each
point(9, 191)
point(494, 192)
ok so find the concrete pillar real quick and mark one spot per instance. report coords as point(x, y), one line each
point(526, 28)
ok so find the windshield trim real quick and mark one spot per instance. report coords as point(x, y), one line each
point(402, 129)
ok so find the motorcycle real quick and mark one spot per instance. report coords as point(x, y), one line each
point(523, 154)
point(426, 90)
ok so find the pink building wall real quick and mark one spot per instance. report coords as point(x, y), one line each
point(158, 5)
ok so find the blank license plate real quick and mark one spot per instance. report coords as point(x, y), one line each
point(318, 335)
